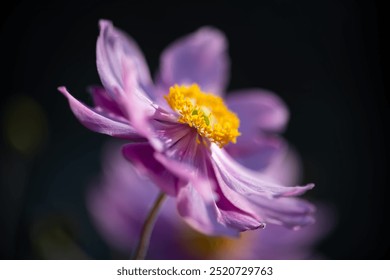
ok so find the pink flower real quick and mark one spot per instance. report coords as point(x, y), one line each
point(184, 136)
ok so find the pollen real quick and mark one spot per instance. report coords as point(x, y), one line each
point(205, 112)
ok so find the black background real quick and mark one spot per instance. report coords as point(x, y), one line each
point(324, 58)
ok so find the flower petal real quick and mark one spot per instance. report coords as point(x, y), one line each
point(193, 165)
point(286, 211)
point(278, 242)
point(259, 111)
point(285, 168)
point(98, 121)
point(247, 182)
point(258, 154)
point(235, 217)
point(103, 100)
point(141, 110)
point(201, 215)
point(193, 193)
point(120, 199)
point(142, 156)
point(200, 57)
point(112, 47)
point(188, 173)
point(259, 196)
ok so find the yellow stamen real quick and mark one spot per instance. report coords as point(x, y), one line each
point(205, 112)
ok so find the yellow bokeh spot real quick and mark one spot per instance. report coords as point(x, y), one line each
point(205, 112)
point(25, 124)
point(201, 246)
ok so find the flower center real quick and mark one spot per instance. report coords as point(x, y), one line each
point(205, 112)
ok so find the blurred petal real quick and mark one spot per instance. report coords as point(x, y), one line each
point(200, 57)
point(278, 242)
point(98, 121)
point(114, 216)
point(119, 202)
point(258, 154)
point(259, 111)
point(285, 167)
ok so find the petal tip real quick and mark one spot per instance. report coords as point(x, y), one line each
point(63, 90)
point(104, 23)
point(310, 186)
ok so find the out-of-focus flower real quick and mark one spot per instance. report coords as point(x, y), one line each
point(119, 200)
point(183, 133)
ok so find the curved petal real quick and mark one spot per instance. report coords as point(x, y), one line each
point(141, 110)
point(100, 122)
point(192, 165)
point(235, 217)
point(103, 100)
point(194, 194)
point(200, 57)
point(230, 215)
point(201, 215)
point(142, 156)
point(259, 196)
point(259, 111)
point(184, 157)
point(247, 182)
point(286, 211)
point(112, 47)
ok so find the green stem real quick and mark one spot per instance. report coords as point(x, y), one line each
point(147, 228)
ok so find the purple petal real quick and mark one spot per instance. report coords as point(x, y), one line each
point(113, 46)
point(120, 200)
point(201, 215)
point(258, 154)
point(200, 57)
point(183, 156)
point(142, 156)
point(194, 194)
point(285, 168)
point(100, 122)
point(259, 111)
point(235, 217)
point(191, 163)
point(141, 111)
point(278, 242)
point(103, 100)
point(254, 194)
point(247, 182)
point(188, 173)
point(114, 216)
point(286, 211)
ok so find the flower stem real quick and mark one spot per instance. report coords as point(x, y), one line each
point(147, 228)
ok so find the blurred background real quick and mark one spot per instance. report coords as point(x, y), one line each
point(323, 58)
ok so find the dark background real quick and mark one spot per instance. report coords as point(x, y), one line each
point(324, 58)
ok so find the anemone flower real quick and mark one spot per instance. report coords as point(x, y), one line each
point(119, 199)
point(184, 136)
